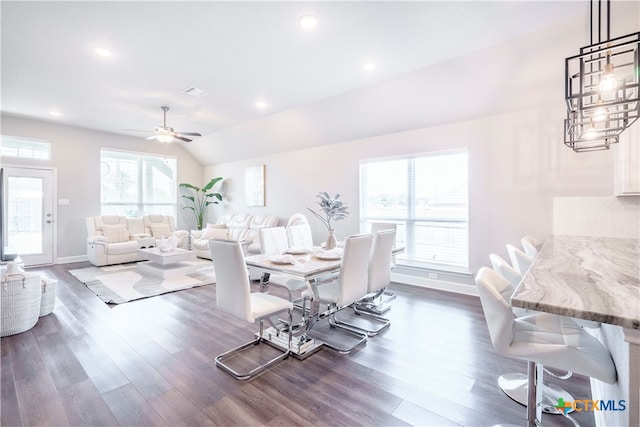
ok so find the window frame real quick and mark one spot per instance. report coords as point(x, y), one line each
point(140, 203)
point(409, 221)
point(28, 145)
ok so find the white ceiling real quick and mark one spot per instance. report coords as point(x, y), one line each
point(239, 52)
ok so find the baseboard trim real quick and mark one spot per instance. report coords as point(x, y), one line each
point(70, 259)
point(441, 285)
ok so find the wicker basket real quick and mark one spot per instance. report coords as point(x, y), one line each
point(48, 297)
point(20, 296)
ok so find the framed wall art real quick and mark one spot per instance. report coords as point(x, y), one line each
point(254, 185)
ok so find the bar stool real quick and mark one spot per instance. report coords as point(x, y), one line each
point(514, 384)
point(531, 245)
point(540, 339)
point(519, 260)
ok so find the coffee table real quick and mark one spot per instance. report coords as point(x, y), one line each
point(166, 264)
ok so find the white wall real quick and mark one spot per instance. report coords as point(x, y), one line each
point(517, 165)
point(75, 153)
point(518, 162)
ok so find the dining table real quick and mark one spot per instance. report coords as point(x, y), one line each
point(308, 266)
point(596, 279)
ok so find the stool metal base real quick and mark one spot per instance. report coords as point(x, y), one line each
point(515, 386)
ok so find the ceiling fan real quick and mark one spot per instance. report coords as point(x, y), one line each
point(165, 133)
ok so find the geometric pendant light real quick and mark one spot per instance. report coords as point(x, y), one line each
point(602, 88)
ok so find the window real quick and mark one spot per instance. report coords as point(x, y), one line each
point(136, 184)
point(13, 146)
point(427, 197)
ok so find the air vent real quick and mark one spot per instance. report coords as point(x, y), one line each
point(195, 92)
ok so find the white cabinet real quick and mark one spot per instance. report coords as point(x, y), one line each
point(626, 169)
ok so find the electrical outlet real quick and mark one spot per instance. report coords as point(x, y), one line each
point(433, 275)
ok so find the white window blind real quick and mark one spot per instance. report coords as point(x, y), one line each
point(26, 148)
point(136, 184)
point(426, 196)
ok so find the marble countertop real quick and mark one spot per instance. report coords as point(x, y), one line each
point(593, 278)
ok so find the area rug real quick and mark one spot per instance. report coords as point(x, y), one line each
point(116, 284)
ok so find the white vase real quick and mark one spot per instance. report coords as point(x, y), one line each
point(331, 240)
point(173, 241)
point(164, 245)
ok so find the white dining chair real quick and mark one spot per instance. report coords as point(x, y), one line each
point(234, 297)
point(378, 278)
point(297, 218)
point(299, 236)
point(350, 286)
point(273, 241)
point(379, 303)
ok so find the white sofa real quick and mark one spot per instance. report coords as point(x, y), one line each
point(243, 227)
point(113, 239)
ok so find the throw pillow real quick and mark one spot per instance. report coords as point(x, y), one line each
point(215, 233)
point(115, 233)
point(160, 230)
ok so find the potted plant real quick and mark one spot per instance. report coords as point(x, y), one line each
point(332, 209)
point(199, 199)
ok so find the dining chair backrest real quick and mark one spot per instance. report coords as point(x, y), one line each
point(273, 240)
point(354, 267)
point(299, 236)
point(519, 260)
point(379, 275)
point(233, 291)
point(297, 218)
point(503, 268)
point(382, 226)
point(497, 310)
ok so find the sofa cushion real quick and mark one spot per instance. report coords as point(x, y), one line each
point(115, 233)
point(215, 233)
point(160, 230)
point(122, 248)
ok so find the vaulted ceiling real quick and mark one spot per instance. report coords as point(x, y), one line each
point(240, 53)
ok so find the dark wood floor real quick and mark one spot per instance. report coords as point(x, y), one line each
point(151, 362)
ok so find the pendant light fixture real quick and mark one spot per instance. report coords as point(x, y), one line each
point(602, 86)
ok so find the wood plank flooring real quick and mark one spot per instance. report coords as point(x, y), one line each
point(151, 362)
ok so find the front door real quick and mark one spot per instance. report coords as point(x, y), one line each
point(28, 213)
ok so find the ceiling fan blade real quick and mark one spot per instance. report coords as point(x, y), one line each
point(182, 138)
point(136, 130)
point(151, 137)
point(189, 133)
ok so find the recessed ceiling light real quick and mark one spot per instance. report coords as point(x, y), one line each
point(55, 113)
point(308, 21)
point(369, 66)
point(102, 51)
point(261, 105)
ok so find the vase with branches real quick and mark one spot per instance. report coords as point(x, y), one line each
point(331, 208)
point(198, 199)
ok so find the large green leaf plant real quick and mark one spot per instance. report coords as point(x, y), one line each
point(199, 199)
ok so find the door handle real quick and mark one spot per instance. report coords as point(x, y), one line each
point(49, 221)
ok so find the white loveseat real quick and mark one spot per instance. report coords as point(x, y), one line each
point(113, 239)
point(242, 227)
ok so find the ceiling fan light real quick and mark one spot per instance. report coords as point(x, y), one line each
point(164, 138)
